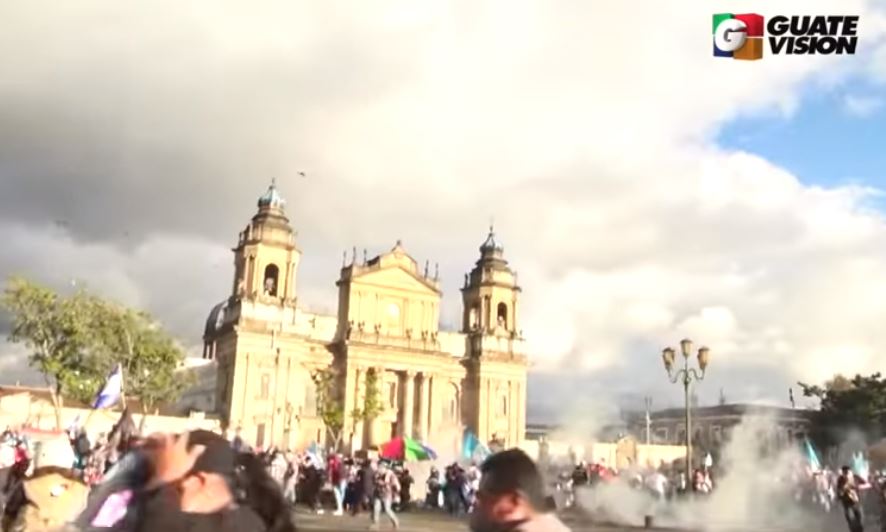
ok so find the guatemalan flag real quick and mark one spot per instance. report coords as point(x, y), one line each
point(472, 448)
point(111, 391)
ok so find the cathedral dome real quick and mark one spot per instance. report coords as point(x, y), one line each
point(490, 244)
point(272, 197)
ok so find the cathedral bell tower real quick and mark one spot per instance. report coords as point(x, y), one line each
point(490, 294)
point(266, 258)
point(495, 359)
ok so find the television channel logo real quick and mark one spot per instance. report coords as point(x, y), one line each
point(738, 36)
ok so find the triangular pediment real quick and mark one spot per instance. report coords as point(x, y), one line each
point(396, 275)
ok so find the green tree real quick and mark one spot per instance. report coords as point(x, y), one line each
point(372, 403)
point(56, 330)
point(330, 408)
point(151, 360)
point(330, 404)
point(848, 404)
point(76, 340)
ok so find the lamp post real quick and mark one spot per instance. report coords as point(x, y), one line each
point(686, 375)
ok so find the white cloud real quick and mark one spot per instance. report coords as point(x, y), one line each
point(862, 106)
point(584, 129)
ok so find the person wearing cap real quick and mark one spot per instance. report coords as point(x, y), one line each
point(511, 497)
point(192, 486)
point(197, 482)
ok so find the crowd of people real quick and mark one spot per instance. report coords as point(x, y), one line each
point(202, 480)
point(820, 490)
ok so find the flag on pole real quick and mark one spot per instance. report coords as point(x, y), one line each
point(860, 466)
point(472, 448)
point(812, 456)
point(112, 390)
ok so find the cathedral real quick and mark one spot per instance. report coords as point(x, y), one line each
point(428, 384)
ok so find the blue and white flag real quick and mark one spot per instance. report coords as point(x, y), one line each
point(860, 465)
point(472, 448)
point(112, 390)
point(812, 456)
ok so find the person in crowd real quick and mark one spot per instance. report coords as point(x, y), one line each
point(197, 482)
point(849, 486)
point(455, 490)
point(702, 483)
point(366, 487)
point(7, 463)
point(349, 472)
point(278, 466)
point(51, 496)
point(881, 499)
point(512, 497)
point(472, 483)
point(657, 485)
point(434, 485)
point(237, 442)
point(580, 475)
point(386, 486)
point(290, 478)
point(335, 472)
point(82, 448)
point(406, 482)
point(312, 478)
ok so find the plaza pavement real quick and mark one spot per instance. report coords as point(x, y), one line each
point(425, 521)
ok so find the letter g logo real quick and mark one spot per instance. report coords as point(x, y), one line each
point(730, 35)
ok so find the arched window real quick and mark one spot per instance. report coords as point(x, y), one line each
point(502, 315)
point(272, 274)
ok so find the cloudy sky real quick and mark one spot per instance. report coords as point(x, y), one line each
point(643, 189)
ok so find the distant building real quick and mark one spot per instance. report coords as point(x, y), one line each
point(713, 425)
point(201, 396)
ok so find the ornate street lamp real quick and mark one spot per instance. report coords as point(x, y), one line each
point(686, 375)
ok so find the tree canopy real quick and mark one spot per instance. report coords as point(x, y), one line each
point(856, 404)
point(75, 340)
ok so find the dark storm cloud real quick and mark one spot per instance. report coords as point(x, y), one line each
point(144, 127)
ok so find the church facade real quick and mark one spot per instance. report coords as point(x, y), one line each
point(431, 384)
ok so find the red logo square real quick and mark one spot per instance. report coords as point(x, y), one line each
point(754, 23)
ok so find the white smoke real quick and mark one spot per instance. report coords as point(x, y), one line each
point(756, 488)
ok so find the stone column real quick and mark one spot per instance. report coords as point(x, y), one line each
point(513, 438)
point(359, 397)
point(408, 403)
point(432, 405)
point(373, 423)
point(423, 406)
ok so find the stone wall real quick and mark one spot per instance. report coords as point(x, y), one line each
point(24, 410)
point(619, 454)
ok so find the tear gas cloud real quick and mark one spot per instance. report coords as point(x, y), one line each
point(754, 488)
